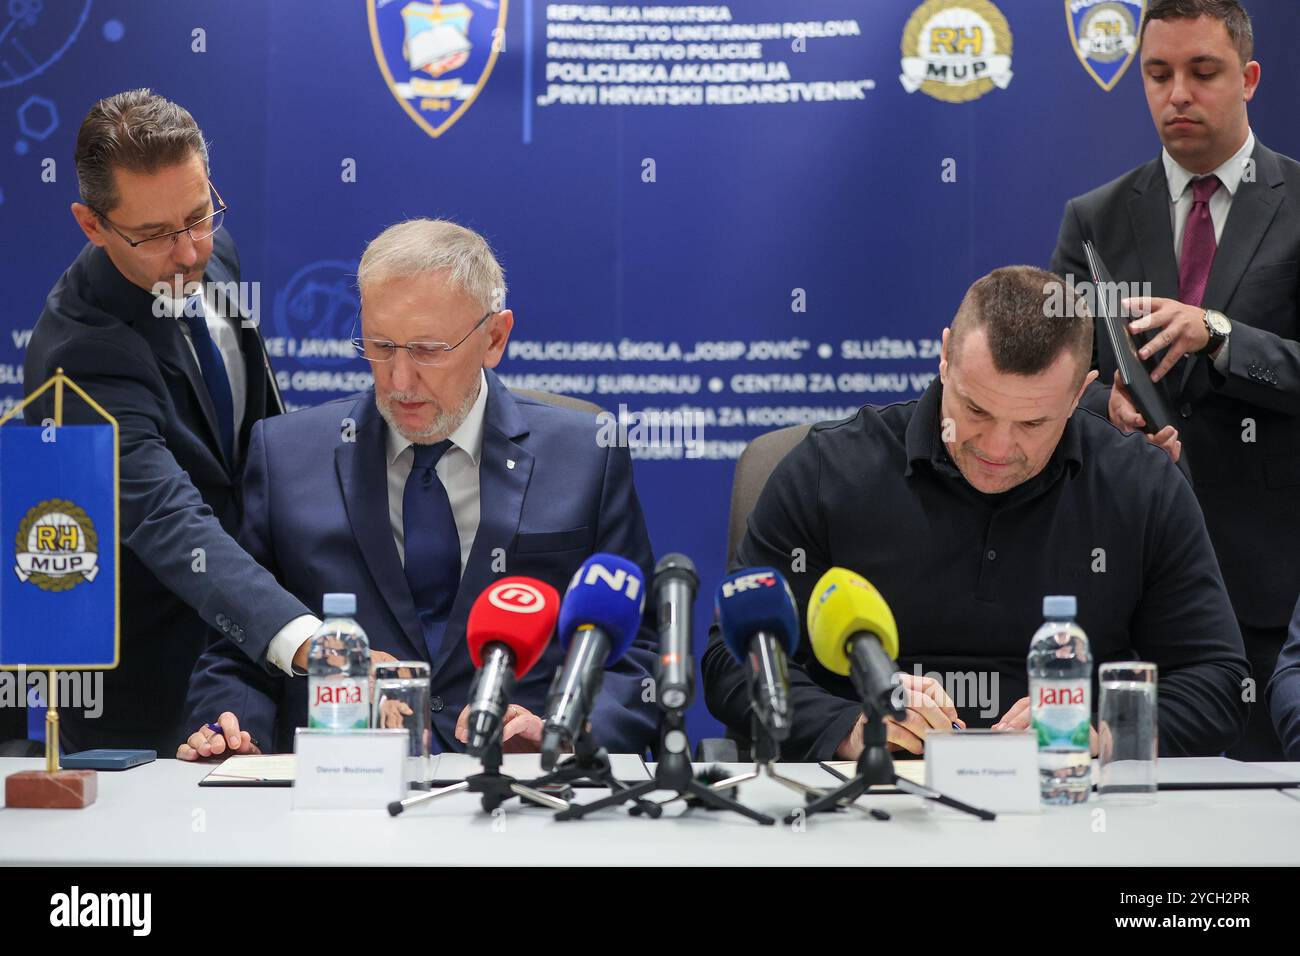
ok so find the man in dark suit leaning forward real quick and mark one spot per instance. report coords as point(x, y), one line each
point(146, 322)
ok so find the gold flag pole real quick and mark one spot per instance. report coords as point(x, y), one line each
point(52, 727)
point(52, 714)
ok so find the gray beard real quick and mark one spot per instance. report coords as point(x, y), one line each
point(444, 422)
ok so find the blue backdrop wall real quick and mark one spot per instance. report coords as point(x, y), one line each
point(758, 213)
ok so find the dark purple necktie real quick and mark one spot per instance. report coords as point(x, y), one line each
point(1199, 244)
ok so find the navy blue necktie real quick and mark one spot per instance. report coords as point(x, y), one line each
point(432, 544)
point(214, 375)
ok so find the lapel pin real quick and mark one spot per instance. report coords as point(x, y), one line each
point(510, 463)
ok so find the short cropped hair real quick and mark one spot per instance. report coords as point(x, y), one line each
point(1228, 12)
point(1020, 310)
point(417, 246)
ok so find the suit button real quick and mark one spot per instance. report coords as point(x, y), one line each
point(992, 555)
point(436, 704)
point(1185, 410)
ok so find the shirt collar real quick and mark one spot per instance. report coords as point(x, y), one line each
point(1230, 173)
point(923, 439)
point(468, 436)
point(172, 308)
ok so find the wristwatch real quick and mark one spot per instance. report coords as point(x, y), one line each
point(1217, 324)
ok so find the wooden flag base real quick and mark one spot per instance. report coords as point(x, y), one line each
point(46, 790)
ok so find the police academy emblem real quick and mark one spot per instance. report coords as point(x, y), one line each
point(956, 50)
point(436, 57)
point(1104, 34)
point(56, 546)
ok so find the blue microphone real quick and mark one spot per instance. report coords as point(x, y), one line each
point(760, 626)
point(599, 619)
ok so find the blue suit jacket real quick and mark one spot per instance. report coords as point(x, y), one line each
point(316, 515)
point(1283, 692)
point(179, 493)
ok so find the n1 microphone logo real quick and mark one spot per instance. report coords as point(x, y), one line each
point(617, 580)
point(516, 597)
point(748, 582)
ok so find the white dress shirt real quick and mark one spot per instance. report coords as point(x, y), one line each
point(1181, 200)
point(225, 332)
point(457, 469)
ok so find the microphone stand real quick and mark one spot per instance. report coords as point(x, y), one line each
point(495, 786)
point(876, 767)
point(672, 772)
point(766, 750)
point(587, 762)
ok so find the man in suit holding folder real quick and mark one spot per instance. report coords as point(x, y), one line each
point(1213, 225)
point(184, 373)
point(419, 494)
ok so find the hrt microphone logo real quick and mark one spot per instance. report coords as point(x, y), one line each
point(748, 582)
point(618, 580)
point(516, 597)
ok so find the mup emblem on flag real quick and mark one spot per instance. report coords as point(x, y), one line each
point(56, 547)
point(59, 530)
point(436, 57)
point(1104, 34)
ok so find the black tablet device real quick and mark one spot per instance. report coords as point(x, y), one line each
point(1133, 372)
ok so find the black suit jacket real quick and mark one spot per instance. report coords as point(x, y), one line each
point(181, 569)
point(1248, 490)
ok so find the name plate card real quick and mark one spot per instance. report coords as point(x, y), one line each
point(989, 769)
point(349, 769)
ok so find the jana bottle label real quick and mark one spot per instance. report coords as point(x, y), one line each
point(1060, 711)
point(337, 704)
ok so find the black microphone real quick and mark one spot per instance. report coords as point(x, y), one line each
point(757, 615)
point(599, 618)
point(508, 629)
point(489, 696)
point(675, 585)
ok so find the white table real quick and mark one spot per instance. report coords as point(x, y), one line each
point(157, 814)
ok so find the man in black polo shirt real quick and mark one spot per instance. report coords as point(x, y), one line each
point(969, 505)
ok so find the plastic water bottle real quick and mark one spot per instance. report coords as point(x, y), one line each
point(1060, 691)
point(338, 668)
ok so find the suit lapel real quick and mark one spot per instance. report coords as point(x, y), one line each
point(501, 499)
point(362, 467)
point(1152, 221)
point(168, 342)
point(1152, 225)
point(1252, 212)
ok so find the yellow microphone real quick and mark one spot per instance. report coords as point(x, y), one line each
point(853, 634)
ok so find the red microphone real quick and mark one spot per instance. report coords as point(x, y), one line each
point(509, 627)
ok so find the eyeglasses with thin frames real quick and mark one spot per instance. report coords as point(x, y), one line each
point(422, 353)
point(162, 244)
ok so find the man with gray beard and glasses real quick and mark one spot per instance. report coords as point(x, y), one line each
point(419, 494)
